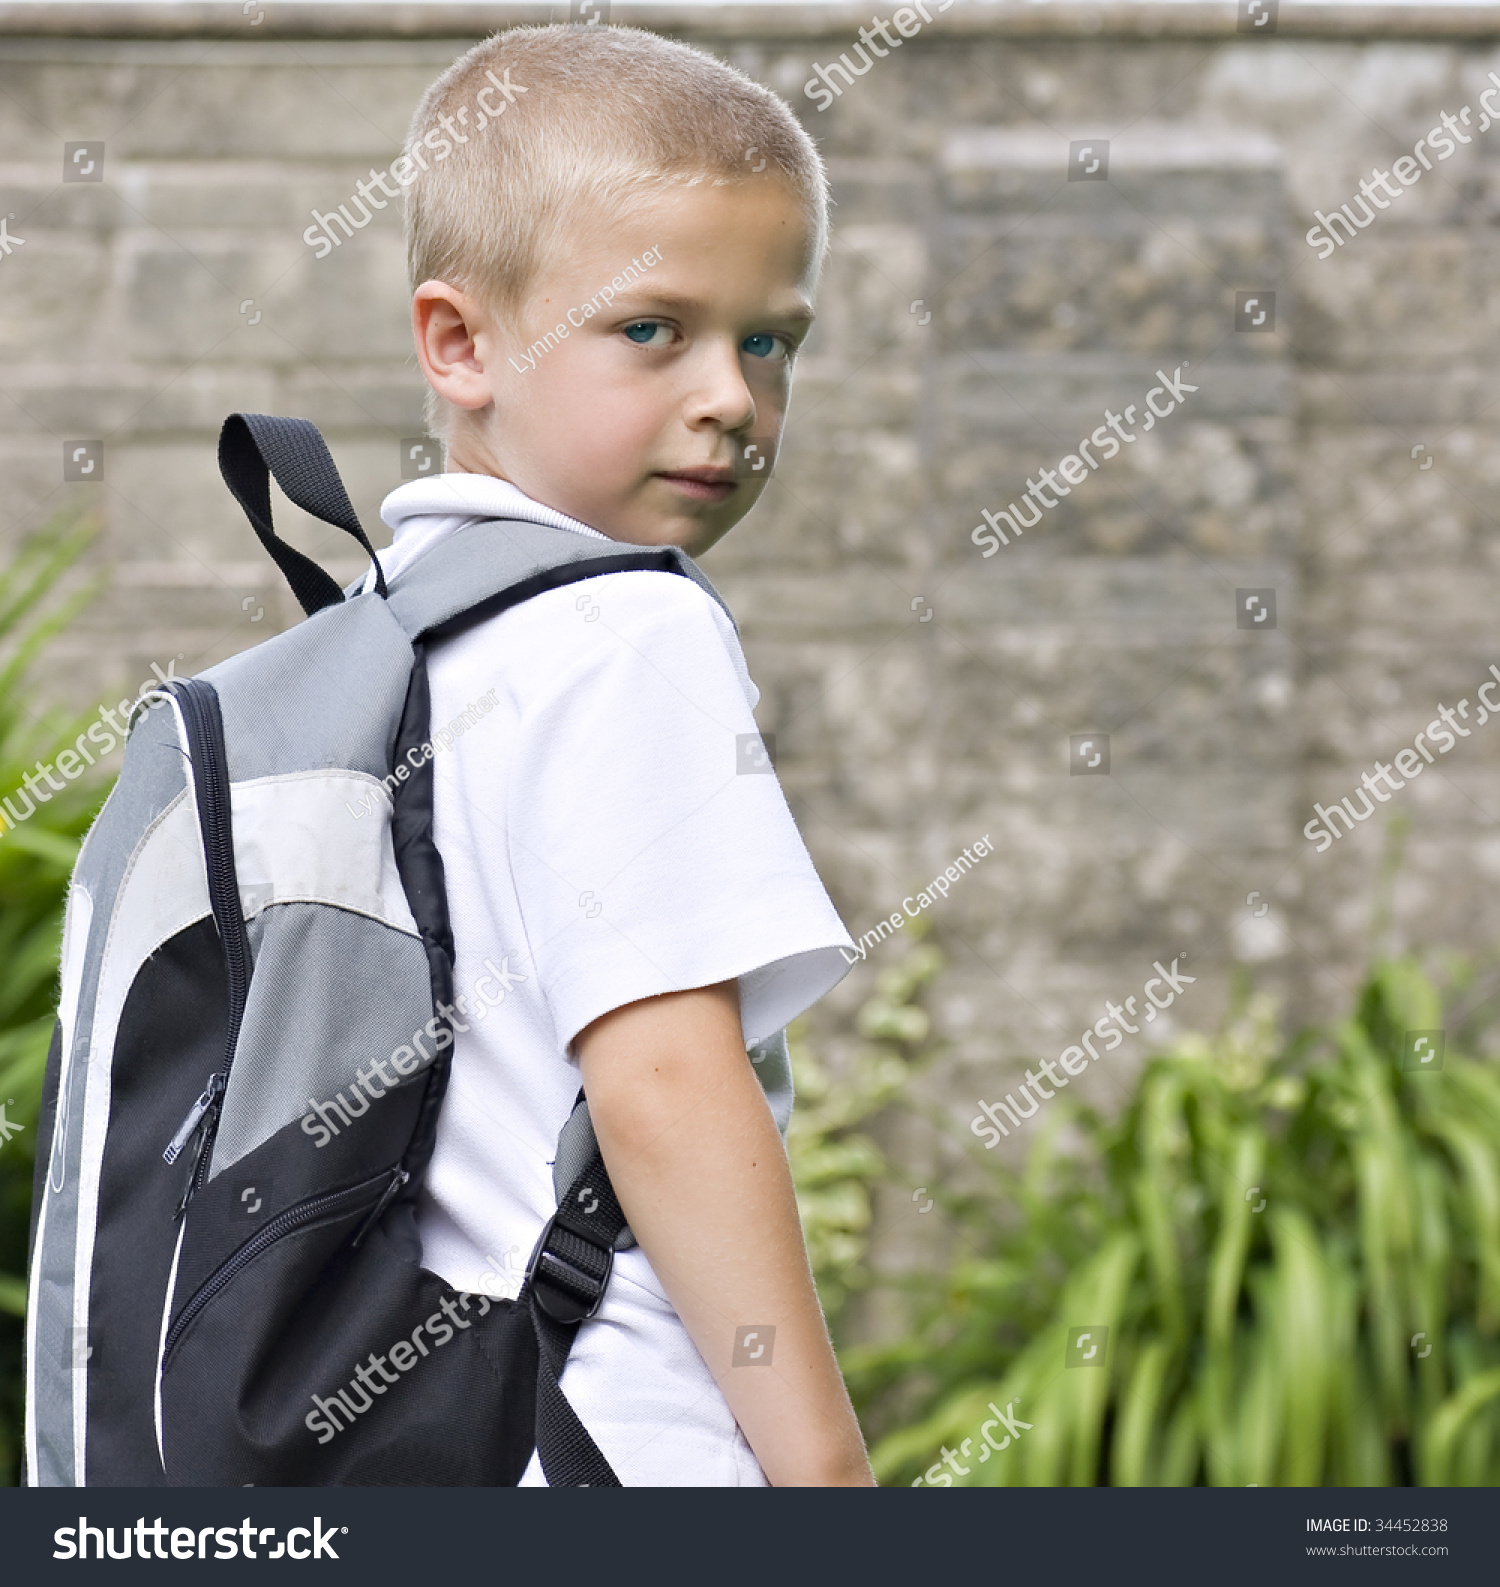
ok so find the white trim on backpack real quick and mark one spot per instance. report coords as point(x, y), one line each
point(164, 891)
point(77, 919)
point(295, 832)
point(161, 1343)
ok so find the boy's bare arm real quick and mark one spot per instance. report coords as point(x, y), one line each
point(702, 1176)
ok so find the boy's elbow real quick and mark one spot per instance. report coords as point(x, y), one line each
point(634, 1096)
point(650, 1065)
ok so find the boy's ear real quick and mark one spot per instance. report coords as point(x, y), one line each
point(454, 341)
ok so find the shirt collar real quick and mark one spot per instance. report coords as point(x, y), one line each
point(423, 511)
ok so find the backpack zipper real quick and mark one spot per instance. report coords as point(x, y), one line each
point(204, 726)
point(282, 1224)
point(399, 1178)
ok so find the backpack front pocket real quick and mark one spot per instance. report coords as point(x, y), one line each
point(308, 1358)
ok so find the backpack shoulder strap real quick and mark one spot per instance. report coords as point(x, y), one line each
point(491, 565)
point(566, 1279)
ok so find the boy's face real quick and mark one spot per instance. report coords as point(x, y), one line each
point(656, 419)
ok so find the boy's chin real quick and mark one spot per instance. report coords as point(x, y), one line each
point(693, 532)
point(688, 535)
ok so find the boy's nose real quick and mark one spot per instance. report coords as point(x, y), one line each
point(720, 394)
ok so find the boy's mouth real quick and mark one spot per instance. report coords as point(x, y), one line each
point(701, 484)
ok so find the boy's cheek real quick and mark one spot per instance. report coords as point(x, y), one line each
point(582, 415)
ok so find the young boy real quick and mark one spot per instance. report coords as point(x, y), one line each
point(613, 243)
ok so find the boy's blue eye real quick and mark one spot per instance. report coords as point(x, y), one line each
point(762, 344)
point(643, 330)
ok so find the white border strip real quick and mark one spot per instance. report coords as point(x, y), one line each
point(115, 981)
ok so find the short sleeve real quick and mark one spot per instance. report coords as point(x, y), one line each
point(650, 842)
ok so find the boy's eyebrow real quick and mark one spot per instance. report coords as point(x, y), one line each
point(800, 312)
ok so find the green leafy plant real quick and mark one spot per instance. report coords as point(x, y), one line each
point(1294, 1247)
point(835, 1165)
point(36, 859)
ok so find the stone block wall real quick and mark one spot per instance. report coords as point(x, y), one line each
point(980, 316)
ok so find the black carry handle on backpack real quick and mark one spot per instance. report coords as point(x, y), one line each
point(254, 448)
point(252, 1297)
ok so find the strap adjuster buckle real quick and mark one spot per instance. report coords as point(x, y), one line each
point(568, 1273)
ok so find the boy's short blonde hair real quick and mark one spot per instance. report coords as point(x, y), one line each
point(540, 128)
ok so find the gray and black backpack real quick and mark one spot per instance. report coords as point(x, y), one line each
point(206, 1288)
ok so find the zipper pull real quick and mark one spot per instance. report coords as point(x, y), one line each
point(398, 1179)
point(185, 1130)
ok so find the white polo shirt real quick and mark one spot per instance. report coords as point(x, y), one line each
point(604, 839)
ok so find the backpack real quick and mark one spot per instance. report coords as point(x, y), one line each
point(217, 1298)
